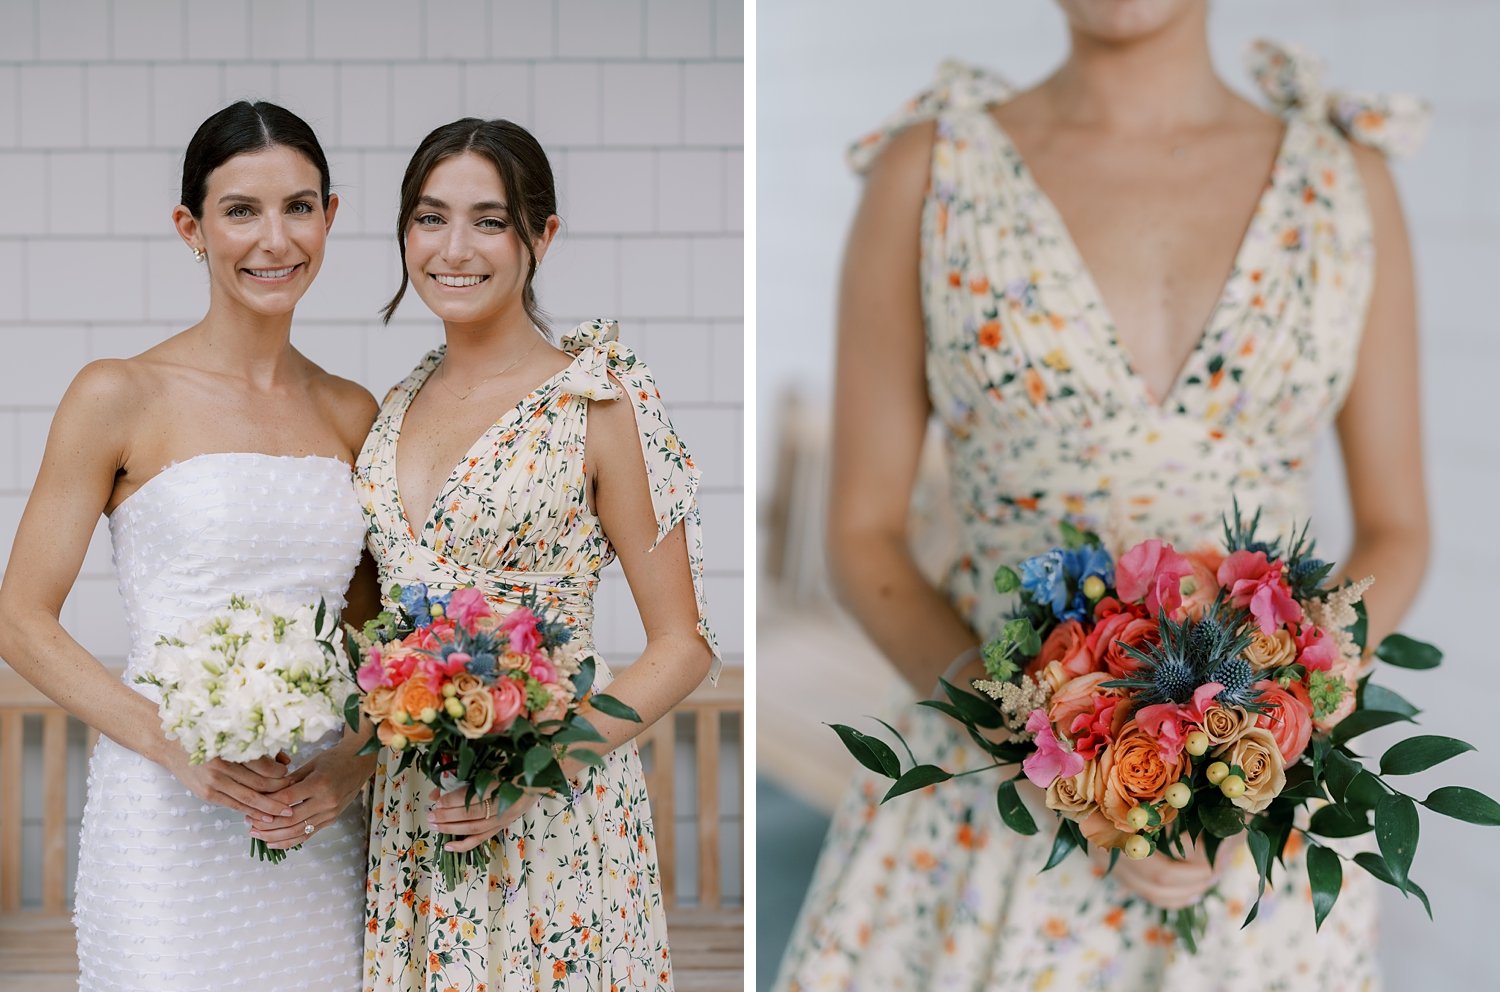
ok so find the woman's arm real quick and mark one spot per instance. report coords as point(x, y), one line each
point(86, 448)
point(880, 420)
point(1380, 425)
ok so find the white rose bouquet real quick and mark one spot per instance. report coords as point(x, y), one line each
point(250, 682)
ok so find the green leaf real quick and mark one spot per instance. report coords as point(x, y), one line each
point(1210, 845)
point(536, 759)
point(1007, 580)
point(1408, 652)
point(610, 706)
point(351, 710)
point(1378, 697)
point(1464, 804)
point(1396, 832)
point(1062, 845)
point(590, 758)
point(506, 796)
point(1012, 810)
point(1304, 790)
point(578, 731)
point(583, 681)
point(1360, 628)
point(979, 712)
point(1222, 821)
point(1338, 821)
point(1417, 754)
point(1339, 771)
point(1260, 851)
point(321, 615)
point(466, 758)
point(947, 709)
point(1366, 790)
point(1364, 721)
point(1325, 875)
point(370, 746)
point(869, 751)
point(916, 778)
point(899, 739)
point(1375, 865)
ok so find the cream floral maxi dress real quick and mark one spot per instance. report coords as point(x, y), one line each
point(571, 898)
point(1045, 419)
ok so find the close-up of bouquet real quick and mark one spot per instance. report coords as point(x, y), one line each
point(251, 681)
point(475, 698)
point(1170, 697)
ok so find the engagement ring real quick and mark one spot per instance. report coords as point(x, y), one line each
point(309, 828)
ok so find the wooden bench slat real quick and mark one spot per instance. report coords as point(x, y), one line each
point(10, 810)
point(707, 747)
point(54, 812)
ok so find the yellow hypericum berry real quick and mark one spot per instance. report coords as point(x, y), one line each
point(402, 717)
point(1137, 817)
point(1233, 787)
point(1137, 847)
point(427, 715)
point(397, 742)
point(1196, 744)
point(1216, 772)
point(1093, 587)
point(454, 707)
point(1178, 795)
point(436, 609)
point(450, 690)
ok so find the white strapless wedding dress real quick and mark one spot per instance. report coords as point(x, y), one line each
point(169, 898)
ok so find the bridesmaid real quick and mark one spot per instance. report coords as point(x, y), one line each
point(526, 468)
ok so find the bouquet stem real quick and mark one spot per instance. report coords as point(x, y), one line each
point(453, 863)
point(261, 852)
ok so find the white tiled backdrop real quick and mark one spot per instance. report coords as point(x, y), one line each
point(830, 71)
point(638, 103)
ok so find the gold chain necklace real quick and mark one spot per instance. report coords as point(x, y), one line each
point(443, 373)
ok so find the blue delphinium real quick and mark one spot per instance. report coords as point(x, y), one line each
point(1081, 563)
point(414, 602)
point(1044, 578)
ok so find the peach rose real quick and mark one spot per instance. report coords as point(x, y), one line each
point(466, 682)
point(479, 712)
point(1288, 717)
point(1226, 724)
point(1055, 676)
point(1074, 796)
point(1268, 652)
point(515, 662)
point(379, 703)
point(1132, 772)
point(1076, 697)
point(1117, 632)
point(1097, 830)
point(1258, 755)
point(1066, 644)
point(416, 697)
point(415, 732)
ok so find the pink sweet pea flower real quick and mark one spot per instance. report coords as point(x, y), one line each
point(1316, 651)
point(467, 607)
point(1256, 582)
point(1170, 723)
point(372, 674)
point(1092, 732)
point(520, 630)
point(1050, 761)
point(1153, 571)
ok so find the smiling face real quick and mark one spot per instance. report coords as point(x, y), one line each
point(263, 229)
point(1119, 21)
point(464, 256)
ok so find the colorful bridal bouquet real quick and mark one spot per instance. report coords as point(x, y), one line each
point(475, 698)
point(1167, 697)
point(251, 681)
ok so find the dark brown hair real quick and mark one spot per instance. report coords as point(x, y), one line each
point(245, 127)
point(525, 175)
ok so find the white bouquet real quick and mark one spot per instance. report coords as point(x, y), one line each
point(251, 682)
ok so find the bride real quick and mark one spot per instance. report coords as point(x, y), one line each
point(1128, 296)
point(222, 458)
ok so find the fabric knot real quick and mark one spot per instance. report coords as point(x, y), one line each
point(1394, 124)
point(589, 333)
point(958, 86)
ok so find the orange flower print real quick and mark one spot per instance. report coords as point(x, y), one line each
point(1114, 918)
point(923, 861)
point(559, 970)
point(536, 930)
point(989, 334)
point(1035, 389)
point(1057, 322)
point(979, 285)
point(955, 279)
point(1055, 928)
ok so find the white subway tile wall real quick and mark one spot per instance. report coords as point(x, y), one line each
point(637, 101)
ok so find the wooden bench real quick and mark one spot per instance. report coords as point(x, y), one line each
point(37, 949)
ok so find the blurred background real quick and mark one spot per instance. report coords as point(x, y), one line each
point(639, 104)
point(827, 73)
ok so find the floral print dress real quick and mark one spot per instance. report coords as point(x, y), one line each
point(571, 898)
point(1044, 419)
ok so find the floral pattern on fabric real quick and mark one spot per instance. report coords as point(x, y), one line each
point(571, 899)
point(1045, 419)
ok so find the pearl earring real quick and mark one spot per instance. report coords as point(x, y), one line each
point(199, 254)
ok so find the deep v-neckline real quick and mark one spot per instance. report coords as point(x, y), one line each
point(1249, 238)
point(413, 387)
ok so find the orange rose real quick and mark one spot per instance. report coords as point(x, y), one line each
point(1288, 717)
point(1114, 633)
point(416, 697)
point(1132, 772)
point(415, 732)
point(379, 702)
point(1067, 644)
point(1076, 698)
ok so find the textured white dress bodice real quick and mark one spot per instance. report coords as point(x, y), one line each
point(168, 897)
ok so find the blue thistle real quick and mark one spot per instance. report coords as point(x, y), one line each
point(1192, 653)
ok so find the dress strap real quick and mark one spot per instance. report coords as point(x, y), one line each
point(670, 469)
point(957, 86)
point(1394, 124)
